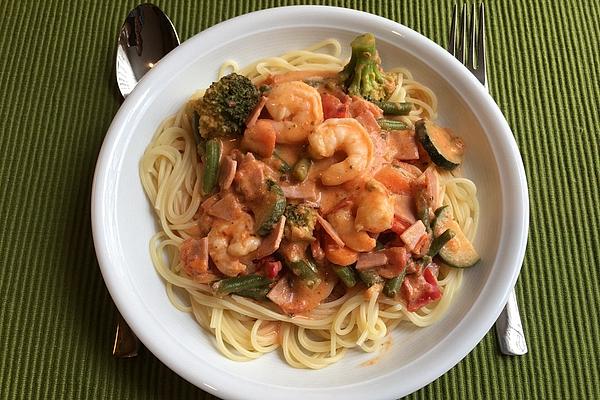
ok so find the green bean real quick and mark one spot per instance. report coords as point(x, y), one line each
point(392, 286)
point(346, 275)
point(301, 168)
point(306, 270)
point(391, 125)
point(393, 108)
point(439, 210)
point(211, 165)
point(284, 168)
point(258, 293)
point(439, 242)
point(370, 277)
point(241, 283)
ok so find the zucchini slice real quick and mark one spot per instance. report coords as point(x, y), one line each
point(459, 251)
point(270, 208)
point(445, 150)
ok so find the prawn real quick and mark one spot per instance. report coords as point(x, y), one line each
point(349, 136)
point(337, 254)
point(375, 211)
point(296, 109)
point(294, 297)
point(229, 241)
point(343, 222)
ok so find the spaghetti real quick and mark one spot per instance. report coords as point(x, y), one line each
point(243, 328)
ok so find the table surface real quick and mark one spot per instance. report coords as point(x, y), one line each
point(57, 99)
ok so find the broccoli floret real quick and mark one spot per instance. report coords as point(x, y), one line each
point(300, 222)
point(363, 75)
point(226, 106)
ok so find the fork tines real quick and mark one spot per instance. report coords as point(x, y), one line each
point(469, 47)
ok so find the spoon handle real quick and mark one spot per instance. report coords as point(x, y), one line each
point(510, 329)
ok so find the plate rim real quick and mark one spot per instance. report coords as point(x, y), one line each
point(101, 200)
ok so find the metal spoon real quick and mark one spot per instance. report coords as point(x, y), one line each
point(146, 36)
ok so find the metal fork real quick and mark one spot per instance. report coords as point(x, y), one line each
point(469, 49)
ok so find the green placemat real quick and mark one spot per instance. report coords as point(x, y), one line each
point(57, 98)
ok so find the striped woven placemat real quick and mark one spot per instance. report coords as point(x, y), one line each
point(57, 98)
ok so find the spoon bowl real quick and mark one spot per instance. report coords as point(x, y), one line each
point(147, 35)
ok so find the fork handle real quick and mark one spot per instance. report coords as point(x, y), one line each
point(509, 329)
point(126, 343)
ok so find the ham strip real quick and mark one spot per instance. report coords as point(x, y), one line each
point(411, 169)
point(194, 257)
point(396, 180)
point(249, 176)
point(304, 191)
point(367, 120)
point(256, 113)
point(403, 208)
point(412, 236)
point(271, 243)
point(228, 208)
point(433, 187)
point(208, 203)
point(360, 106)
point(370, 260)
point(403, 145)
point(281, 294)
point(397, 258)
point(227, 172)
point(330, 231)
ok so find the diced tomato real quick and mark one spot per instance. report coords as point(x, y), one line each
point(272, 269)
point(434, 268)
point(333, 107)
point(420, 290)
point(269, 267)
point(260, 138)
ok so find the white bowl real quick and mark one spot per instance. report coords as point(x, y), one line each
point(123, 220)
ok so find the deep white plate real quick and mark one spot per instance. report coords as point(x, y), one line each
point(123, 221)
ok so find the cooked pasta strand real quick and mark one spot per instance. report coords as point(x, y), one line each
point(243, 328)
